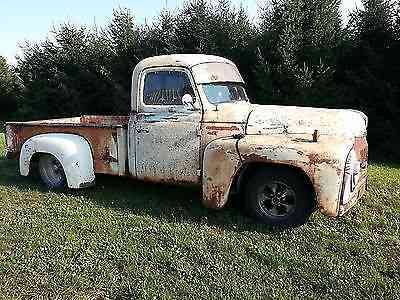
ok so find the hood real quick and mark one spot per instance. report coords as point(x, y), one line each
point(269, 119)
point(237, 112)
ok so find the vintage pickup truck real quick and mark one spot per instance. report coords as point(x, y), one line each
point(191, 122)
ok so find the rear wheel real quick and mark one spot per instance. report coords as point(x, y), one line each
point(279, 197)
point(51, 171)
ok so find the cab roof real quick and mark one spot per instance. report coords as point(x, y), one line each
point(206, 70)
point(179, 60)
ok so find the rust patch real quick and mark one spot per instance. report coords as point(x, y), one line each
point(227, 128)
point(221, 162)
point(252, 157)
point(99, 131)
point(302, 140)
point(169, 180)
point(212, 133)
point(361, 149)
point(319, 158)
point(315, 136)
point(216, 194)
point(107, 156)
point(104, 120)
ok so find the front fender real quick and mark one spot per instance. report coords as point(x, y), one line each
point(323, 162)
point(220, 163)
point(72, 151)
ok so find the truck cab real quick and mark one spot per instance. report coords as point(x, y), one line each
point(175, 114)
point(191, 122)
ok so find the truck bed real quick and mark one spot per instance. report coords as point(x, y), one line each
point(107, 136)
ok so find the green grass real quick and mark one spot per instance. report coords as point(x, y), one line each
point(125, 239)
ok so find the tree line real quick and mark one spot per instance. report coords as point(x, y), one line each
point(296, 52)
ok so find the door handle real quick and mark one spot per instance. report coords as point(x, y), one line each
point(171, 110)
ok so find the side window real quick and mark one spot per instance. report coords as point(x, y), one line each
point(166, 88)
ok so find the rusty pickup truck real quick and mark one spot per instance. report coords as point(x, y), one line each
point(191, 122)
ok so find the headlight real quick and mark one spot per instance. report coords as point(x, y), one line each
point(351, 176)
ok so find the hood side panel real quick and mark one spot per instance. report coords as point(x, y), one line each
point(271, 119)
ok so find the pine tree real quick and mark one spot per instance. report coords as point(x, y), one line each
point(10, 91)
point(369, 70)
point(298, 39)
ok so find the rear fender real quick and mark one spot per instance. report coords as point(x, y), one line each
point(72, 151)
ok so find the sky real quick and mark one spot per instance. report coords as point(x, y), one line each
point(31, 20)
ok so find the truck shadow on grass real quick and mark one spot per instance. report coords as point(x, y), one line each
point(179, 204)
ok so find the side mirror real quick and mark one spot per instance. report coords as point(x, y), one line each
point(188, 100)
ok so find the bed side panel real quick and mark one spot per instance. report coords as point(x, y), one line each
point(103, 140)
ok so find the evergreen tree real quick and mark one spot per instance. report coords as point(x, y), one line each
point(10, 91)
point(66, 75)
point(298, 39)
point(127, 44)
point(369, 68)
point(161, 35)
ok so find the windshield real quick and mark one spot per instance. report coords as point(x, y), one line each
point(217, 93)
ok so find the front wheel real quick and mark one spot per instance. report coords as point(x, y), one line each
point(279, 197)
point(51, 172)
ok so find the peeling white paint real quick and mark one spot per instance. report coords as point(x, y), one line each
point(269, 119)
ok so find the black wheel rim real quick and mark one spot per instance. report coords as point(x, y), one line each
point(277, 199)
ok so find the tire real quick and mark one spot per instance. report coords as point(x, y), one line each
point(51, 172)
point(279, 197)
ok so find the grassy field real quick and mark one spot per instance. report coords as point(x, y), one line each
point(125, 239)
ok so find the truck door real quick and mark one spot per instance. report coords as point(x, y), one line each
point(167, 130)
